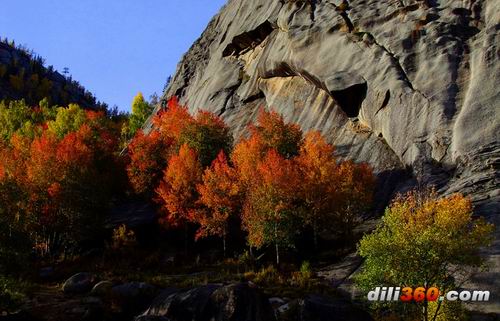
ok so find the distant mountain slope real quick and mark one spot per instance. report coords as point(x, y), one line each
point(23, 75)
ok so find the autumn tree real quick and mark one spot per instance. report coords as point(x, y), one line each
point(141, 110)
point(13, 116)
point(59, 178)
point(270, 132)
point(177, 190)
point(270, 209)
point(207, 135)
point(67, 120)
point(285, 138)
point(333, 192)
point(424, 241)
point(320, 176)
point(148, 156)
point(355, 193)
point(172, 121)
point(220, 196)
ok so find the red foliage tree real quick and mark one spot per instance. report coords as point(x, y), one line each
point(148, 156)
point(172, 121)
point(220, 196)
point(177, 190)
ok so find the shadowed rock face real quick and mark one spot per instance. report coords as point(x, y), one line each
point(408, 86)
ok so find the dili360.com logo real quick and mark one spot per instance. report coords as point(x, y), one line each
point(419, 294)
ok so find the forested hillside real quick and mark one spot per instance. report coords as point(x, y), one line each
point(24, 75)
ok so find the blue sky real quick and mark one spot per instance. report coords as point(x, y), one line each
point(114, 48)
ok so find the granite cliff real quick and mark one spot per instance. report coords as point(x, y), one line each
point(408, 86)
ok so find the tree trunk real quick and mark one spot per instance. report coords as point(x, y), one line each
point(277, 255)
point(315, 235)
point(185, 239)
point(277, 246)
point(437, 311)
point(426, 303)
point(224, 244)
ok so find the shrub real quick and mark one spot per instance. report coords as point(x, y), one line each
point(303, 277)
point(123, 238)
point(12, 294)
point(267, 276)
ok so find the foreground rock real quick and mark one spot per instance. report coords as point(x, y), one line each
point(79, 283)
point(320, 308)
point(19, 316)
point(133, 297)
point(102, 288)
point(236, 302)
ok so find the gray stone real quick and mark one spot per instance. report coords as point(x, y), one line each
point(79, 283)
point(319, 308)
point(276, 302)
point(236, 302)
point(46, 272)
point(102, 288)
point(133, 297)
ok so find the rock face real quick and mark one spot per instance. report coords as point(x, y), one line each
point(408, 86)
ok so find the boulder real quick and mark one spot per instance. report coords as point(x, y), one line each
point(79, 283)
point(192, 304)
point(18, 316)
point(320, 308)
point(276, 302)
point(240, 302)
point(133, 297)
point(46, 273)
point(151, 318)
point(102, 288)
point(236, 302)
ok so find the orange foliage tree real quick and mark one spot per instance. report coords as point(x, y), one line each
point(220, 197)
point(333, 192)
point(285, 138)
point(206, 134)
point(148, 155)
point(177, 190)
point(64, 181)
point(270, 209)
point(270, 132)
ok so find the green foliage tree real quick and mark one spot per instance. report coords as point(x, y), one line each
point(13, 115)
point(423, 241)
point(207, 135)
point(67, 120)
point(141, 110)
